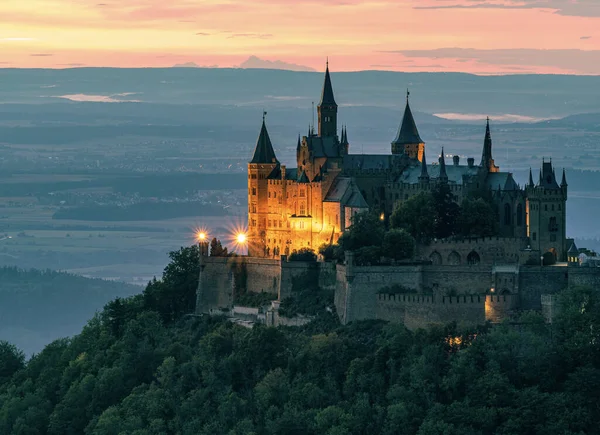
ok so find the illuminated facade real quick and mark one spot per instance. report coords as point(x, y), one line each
point(312, 204)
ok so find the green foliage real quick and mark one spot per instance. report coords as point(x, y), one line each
point(307, 297)
point(175, 294)
point(418, 216)
point(477, 218)
point(250, 299)
point(366, 230)
point(216, 248)
point(398, 245)
point(447, 211)
point(549, 259)
point(129, 371)
point(11, 360)
point(304, 254)
point(329, 251)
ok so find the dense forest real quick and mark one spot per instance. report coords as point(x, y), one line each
point(145, 366)
point(38, 306)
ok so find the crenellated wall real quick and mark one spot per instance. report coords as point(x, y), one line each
point(488, 250)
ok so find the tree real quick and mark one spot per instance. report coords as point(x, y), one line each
point(216, 248)
point(476, 219)
point(398, 245)
point(447, 211)
point(366, 230)
point(304, 254)
point(11, 360)
point(418, 216)
point(175, 294)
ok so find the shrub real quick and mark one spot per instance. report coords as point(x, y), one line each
point(304, 254)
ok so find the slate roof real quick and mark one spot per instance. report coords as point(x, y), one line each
point(264, 152)
point(455, 173)
point(355, 199)
point(503, 179)
point(573, 249)
point(327, 94)
point(322, 146)
point(337, 191)
point(407, 133)
point(367, 161)
point(547, 177)
point(291, 174)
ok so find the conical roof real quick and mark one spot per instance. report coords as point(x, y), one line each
point(486, 155)
point(407, 133)
point(573, 249)
point(443, 174)
point(327, 94)
point(424, 173)
point(530, 178)
point(264, 152)
point(563, 183)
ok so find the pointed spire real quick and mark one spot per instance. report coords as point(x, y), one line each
point(327, 94)
point(540, 181)
point(424, 174)
point(486, 155)
point(443, 174)
point(563, 183)
point(530, 178)
point(408, 132)
point(299, 144)
point(264, 152)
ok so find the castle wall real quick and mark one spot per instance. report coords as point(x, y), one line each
point(453, 280)
point(488, 250)
point(537, 280)
point(584, 276)
point(295, 274)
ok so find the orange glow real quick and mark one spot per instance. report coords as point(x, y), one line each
point(201, 236)
point(241, 238)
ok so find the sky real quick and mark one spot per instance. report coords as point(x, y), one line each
point(475, 36)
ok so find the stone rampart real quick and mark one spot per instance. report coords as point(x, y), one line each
point(537, 280)
point(584, 276)
point(484, 250)
point(452, 280)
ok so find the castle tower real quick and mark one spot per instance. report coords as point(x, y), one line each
point(327, 109)
point(408, 140)
point(424, 177)
point(486, 156)
point(547, 213)
point(262, 164)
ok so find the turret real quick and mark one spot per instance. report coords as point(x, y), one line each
point(407, 140)
point(424, 177)
point(263, 163)
point(487, 160)
point(547, 213)
point(443, 175)
point(327, 109)
point(530, 184)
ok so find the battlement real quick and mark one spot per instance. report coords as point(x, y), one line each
point(495, 300)
point(478, 240)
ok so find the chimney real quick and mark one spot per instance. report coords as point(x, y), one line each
point(471, 162)
point(456, 160)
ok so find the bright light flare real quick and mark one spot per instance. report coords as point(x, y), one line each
point(201, 236)
point(241, 238)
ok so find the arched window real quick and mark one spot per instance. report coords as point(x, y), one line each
point(507, 212)
point(436, 258)
point(454, 258)
point(473, 258)
point(519, 215)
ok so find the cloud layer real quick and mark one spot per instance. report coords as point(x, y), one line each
point(487, 36)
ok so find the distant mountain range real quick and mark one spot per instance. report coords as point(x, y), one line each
point(533, 96)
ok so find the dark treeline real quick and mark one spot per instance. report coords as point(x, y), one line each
point(148, 185)
point(140, 212)
point(142, 366)
point(46, 304)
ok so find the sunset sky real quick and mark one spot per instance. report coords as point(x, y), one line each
point(477, 36)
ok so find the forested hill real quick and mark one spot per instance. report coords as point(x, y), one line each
point(143, 367)
point(36, 307)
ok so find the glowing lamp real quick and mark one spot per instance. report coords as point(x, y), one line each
point(240, 238)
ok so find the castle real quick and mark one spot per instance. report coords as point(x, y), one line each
point(304, 207)
point(467, 280)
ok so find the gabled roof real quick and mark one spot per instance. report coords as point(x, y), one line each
point(327, 94)
point(503, 179)
point(407, 133)
point(573, 249)
point(547, 177)
point(264, 152)
point(302, 178)
point(355, 199)
point(455, 173)
point(322, 146)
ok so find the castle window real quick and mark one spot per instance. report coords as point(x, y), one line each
point(546, 207)
point(507, 216)
point(254, 191)
point(534, 236)
point(269, 194)
point(559, 209)
point(519, 215)
point(302, 210)
point(473, 258)
point(552, 207)
point(553, 225)
point(274, 194)
point(253, 208)
point(302, 193)
point(269, 222)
